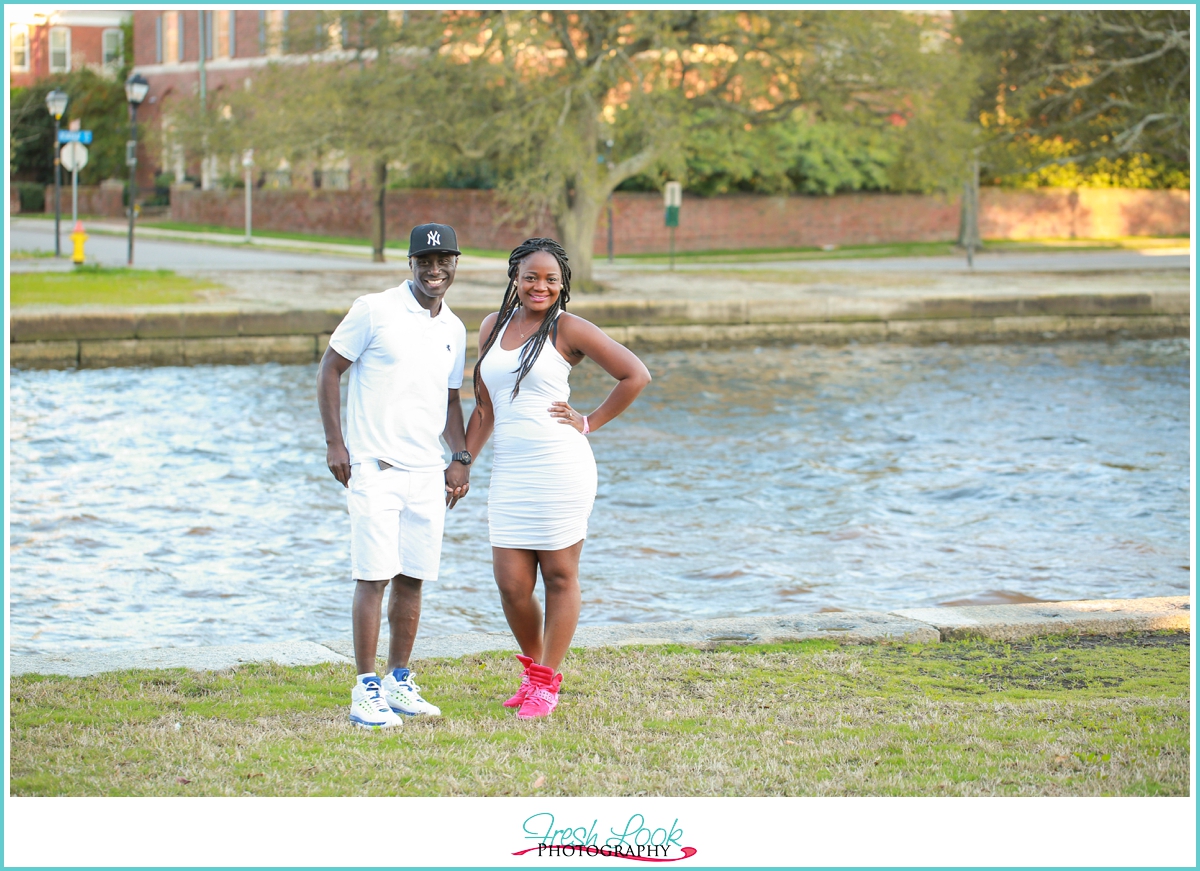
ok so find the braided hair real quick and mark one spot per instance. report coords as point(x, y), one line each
point(548, 329)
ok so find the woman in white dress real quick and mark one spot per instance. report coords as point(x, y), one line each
point(543, 474)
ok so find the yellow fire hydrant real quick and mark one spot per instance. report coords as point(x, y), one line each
point(78, 237)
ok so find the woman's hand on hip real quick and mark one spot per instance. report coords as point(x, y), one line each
point(563, 413)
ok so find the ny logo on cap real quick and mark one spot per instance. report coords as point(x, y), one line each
point(435, 238)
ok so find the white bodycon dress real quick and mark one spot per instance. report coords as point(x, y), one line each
point(543, 472)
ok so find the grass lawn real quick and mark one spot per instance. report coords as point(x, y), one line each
point(90, 285)
point(1049, 717)
point(905, 249)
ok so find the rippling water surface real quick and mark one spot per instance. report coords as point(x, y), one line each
point(191, 506)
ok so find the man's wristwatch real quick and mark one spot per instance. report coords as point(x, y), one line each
point(463, 457)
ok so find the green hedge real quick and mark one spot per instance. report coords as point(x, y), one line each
point(32, 196)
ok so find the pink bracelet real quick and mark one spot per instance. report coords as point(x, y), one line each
point(586, 429)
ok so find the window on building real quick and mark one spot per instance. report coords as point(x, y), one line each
point(333, 171)
point(18, 43)
point(113, 46)
point(275, 22)
point(171, 43)
point(60, 49)
point(223, 33)
point(207, 29)
point(158, 39)
point(182, 44)
point(280, 177)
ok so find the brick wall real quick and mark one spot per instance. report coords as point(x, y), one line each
point(246, 36)
point(191, 36)
point(145, 37)
point(735, 221)
point(93, 200)
point(348, 213)
point(1088, 213)
point(747, 221)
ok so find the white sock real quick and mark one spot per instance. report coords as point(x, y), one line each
point(362, 677)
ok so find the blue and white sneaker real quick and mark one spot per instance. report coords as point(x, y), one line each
point(404, 697)
point(368, 707)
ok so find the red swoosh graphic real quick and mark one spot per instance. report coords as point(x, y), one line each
point(688, 852)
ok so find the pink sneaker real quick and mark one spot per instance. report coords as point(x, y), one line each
point(542, 697)
point(523, 690)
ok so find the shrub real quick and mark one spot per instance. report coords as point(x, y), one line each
point(32, 196)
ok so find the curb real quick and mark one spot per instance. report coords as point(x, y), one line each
point(183, 338)
point(192, 658)
point(928, 625)
point(1086, 617)
point(817, 309)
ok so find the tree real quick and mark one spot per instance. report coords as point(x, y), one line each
point(1071, 87)
point(537, 97)
point(562, 84)
point(97, 100)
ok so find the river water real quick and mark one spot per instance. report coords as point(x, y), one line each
point(192, 506)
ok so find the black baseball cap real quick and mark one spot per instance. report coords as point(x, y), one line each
point(432, 237)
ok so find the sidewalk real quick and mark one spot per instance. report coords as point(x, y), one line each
point(265, 306)
point(997, 622)
point(1062, 259)
point(115, 227)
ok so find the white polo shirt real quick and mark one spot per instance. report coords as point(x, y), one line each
point(403, 362)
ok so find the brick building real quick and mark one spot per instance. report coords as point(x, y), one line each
point(42, 41)
point(202, 52)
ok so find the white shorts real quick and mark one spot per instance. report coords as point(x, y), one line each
point(396, 521)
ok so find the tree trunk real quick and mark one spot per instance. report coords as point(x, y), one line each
point(581, 203)
point(577, 233)
point(968, 225)
point(379, 213)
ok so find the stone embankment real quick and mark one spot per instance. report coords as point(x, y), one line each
point(156, 337)
point(1095, 617)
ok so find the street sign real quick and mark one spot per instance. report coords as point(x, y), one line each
point(130, 152)
point(673, 195)
point(84, 136)
point(74, 156)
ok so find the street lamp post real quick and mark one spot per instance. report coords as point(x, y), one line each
point(136, 88)
point(56, 102)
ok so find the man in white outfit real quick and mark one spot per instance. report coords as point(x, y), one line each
point(405, 352)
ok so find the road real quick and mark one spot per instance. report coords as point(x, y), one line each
point(33, 234)
point(155, 253)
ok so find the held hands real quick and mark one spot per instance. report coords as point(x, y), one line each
point(457, 482)
point(563, 413)
point(338, 460)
